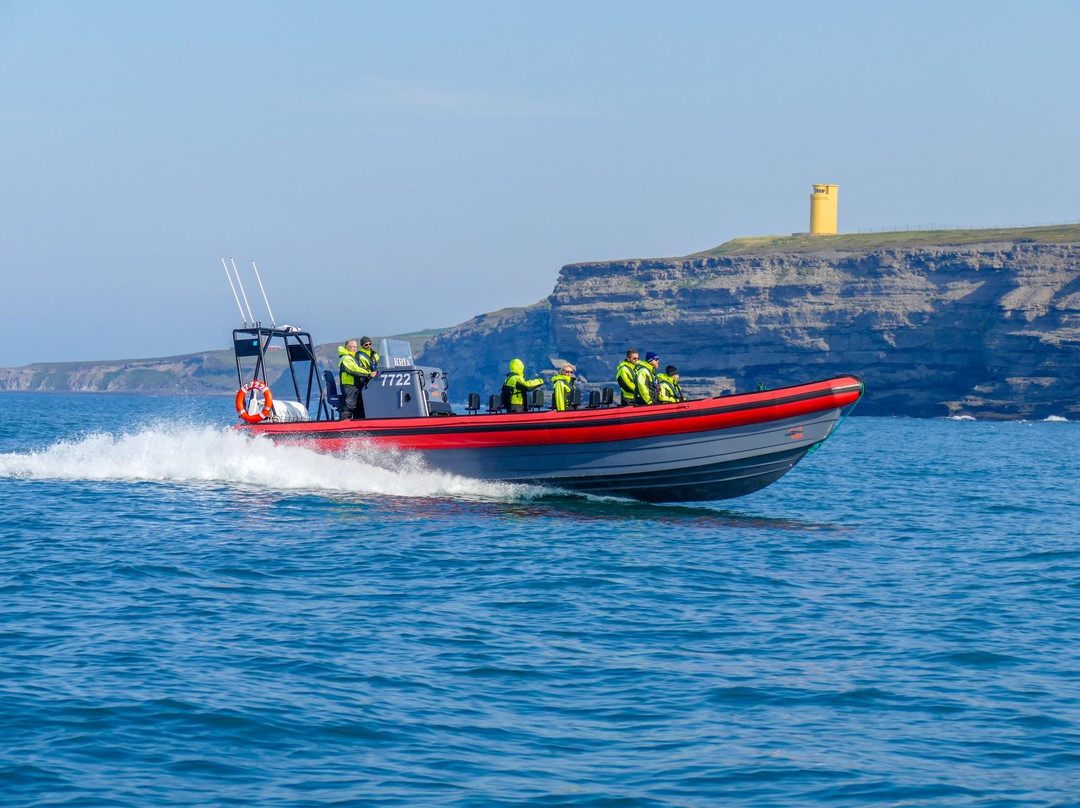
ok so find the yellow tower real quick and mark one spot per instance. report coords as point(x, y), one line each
point(823, 210)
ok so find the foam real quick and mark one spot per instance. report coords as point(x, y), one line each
point(175, 453)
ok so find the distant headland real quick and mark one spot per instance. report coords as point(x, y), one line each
point(982, 322)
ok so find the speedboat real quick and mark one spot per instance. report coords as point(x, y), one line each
point(700, 450)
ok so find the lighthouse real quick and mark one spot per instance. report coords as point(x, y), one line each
point(823, 210)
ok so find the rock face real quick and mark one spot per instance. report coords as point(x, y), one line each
point(990, 329)
point(982, 323)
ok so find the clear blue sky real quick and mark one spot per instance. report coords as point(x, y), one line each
point(399, 166)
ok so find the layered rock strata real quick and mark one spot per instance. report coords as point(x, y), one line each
point(989, 330)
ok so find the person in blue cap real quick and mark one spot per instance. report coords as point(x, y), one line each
point(645, 379)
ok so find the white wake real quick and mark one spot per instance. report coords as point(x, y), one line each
point(174, 453)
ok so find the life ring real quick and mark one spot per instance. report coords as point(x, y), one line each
point(241, 402)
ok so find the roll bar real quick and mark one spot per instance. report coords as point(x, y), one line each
point(254, 342)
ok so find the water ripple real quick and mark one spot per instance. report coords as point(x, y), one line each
point(892, 624)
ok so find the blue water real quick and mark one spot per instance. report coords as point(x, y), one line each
point(189, 617)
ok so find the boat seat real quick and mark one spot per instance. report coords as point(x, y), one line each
point(594, 399)
point(575, 398)
point(607, 396)
point(536, 400)
point(333, 398)
point(473, 405)
point(495, 403)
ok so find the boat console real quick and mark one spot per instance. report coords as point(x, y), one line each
point(401, 389)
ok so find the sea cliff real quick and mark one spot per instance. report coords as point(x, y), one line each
point(983, 323)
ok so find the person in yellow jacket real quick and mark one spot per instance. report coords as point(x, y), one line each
point(626, 376)
point(645, 379)
point(516, 386)
point(354, 373)
point(667, 385)
point(564, 383)
point(368, 359)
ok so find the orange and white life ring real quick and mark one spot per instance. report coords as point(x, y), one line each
point(241, 402)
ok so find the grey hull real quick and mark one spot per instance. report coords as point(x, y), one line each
point(718, 464)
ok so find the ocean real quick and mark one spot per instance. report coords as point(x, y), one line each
point(192, 617)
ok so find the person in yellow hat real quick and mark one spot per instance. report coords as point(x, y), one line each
point(516, 386)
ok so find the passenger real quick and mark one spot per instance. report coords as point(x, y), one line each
point(645, 379)
point(667, 385)
point(350, 379)
point(368, 359)
point(564, 388)
point(625, 375)
point(516, 386)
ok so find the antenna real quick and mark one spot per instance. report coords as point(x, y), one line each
point(235, 296)
point(265, 300)
point(242, 292)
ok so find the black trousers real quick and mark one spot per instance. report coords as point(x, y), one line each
point(350, 402)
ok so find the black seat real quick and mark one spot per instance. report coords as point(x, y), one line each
point(536, 400)
point(473, 406)
point(575, 399)
point(333, 398)
point(495, 403)
point(594, 399)
point(607, 396)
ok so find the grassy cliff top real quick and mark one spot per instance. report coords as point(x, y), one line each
point(900, 240)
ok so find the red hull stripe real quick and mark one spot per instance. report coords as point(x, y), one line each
point(588, 426)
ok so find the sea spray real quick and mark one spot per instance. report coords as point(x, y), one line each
point(185, 453)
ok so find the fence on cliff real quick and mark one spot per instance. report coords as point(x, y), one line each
point(916, 228)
